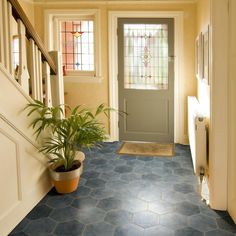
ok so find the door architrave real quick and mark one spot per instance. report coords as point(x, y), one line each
point(179, 136)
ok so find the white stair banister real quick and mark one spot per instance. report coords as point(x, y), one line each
point(32, 69)
point(10, 36)
point(23, 69)
point(7, 40)
point(57, 80)
point(47, 81)
point(2, 53)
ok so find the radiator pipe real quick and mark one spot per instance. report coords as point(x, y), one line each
point(202, 174)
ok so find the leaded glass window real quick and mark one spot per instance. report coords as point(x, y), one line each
point(77, 39)
point(146, 56)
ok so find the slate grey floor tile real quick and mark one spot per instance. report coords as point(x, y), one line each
point(219, 232)
point(99, 229)
point(187, 209)
point(59, 201)
point(40, 227)
point(118, 217)
point(158, 230)
point(82, 191)
point(129, 230)
point(188, 232)
point(161, 207)
point(145, 219)
point(39, 211)
point(227, 224)
point(129, 195)
point(173, 221)
point(64, 214)
point(202, 223)
point(110, 204)
point(84, 203)
point(70, 228)
point(90, 215)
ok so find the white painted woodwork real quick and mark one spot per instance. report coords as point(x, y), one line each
point(6, 40)
point(36, 57)
point(218, 129)
point(232, 113)
point(24, 175)
point(57, 80)
point(32, 69)
point(179, 135)
point(10, 36)
point(23, 68)
point(2, 53)
point(40, 76)
point(47, 81)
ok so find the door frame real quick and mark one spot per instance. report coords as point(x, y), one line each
point(113, 17)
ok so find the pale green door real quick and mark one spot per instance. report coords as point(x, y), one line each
point(146, 79)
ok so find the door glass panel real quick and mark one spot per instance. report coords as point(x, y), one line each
point(146, 56)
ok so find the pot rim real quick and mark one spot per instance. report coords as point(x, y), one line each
point(60, 176)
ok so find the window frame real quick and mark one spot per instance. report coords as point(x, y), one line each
point(52, 40)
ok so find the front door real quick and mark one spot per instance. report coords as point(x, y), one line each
point(146, 79)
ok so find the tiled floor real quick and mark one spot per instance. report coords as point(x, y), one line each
point(128, 195)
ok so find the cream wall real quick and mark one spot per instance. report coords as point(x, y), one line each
point(232, 114)
point(203, 20)
point(28, 8)
point(95, 93)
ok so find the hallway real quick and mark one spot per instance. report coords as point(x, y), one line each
point(128, 195)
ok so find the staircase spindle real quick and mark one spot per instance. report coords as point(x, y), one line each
point(47, 84)
point(23, 68)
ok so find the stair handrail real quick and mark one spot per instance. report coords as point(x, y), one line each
point(18, 13)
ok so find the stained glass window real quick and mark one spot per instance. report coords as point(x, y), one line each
point(77, 39)
point(146, 56)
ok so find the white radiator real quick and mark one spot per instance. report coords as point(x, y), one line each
point(197, 135)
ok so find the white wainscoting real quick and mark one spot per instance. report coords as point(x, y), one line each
point(24, 179)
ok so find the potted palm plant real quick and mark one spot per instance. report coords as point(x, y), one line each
point(63, 138)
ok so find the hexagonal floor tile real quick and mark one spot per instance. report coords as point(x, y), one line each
point(118, 217)
point(39, 211)
point(95, 183)
point(183, 188)
point(149, 196)
point(226, 224)
point(158, 230)
point(59, 201)
point(84, 203)
point(134, 205)
point(72, 228)
point(186, 208)
point(20, 227)
point(123, 169)
point(188, 231)
point(161, 207)
point(63, 214)
point(81, 191)
point(99, 229)
point(40, 227)
point(101, 193)
point(202, 223)
point(173, 221)
point(90, 215)
point(109, 204)
point(128, 230)
point(145, 219)
point(173, 197)
point(218, 232)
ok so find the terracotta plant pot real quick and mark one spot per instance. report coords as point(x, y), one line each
point(67, 182)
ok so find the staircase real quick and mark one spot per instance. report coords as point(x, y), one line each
point(27, 72)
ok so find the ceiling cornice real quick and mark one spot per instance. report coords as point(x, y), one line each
point(111, 2)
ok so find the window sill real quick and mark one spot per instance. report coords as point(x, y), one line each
point(82, 79)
